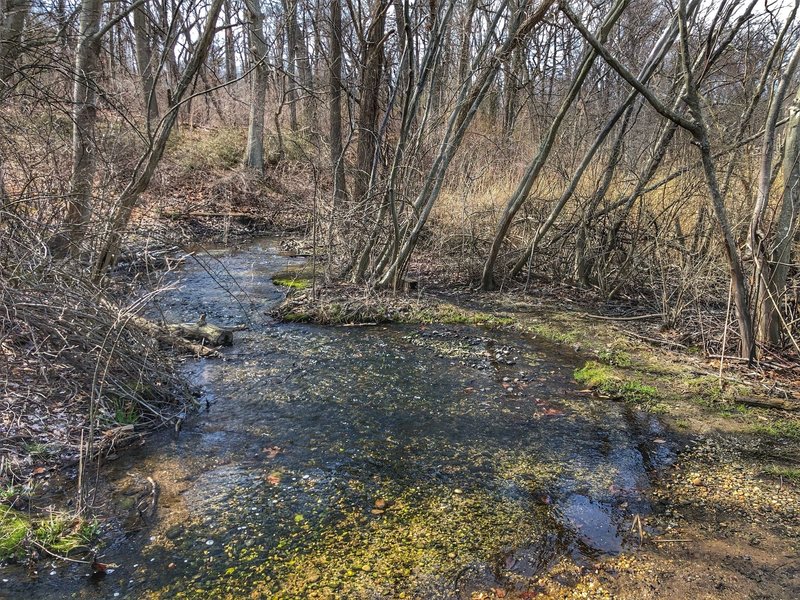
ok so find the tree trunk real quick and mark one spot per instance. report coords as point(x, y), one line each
point(770, 322)
point(230, 49)
point(335, 116)
point(535, 166)
point(144, 60)
point(291, 62)
point(765, 300)
point(254, 155)
point(84, 120)
point(145, 169)
point(13, 14)
point(469, 100)
point(371, 73)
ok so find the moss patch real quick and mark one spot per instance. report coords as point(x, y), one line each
point(607, 381)
point(57, 533)
point(788, 473)
point(13, 529)
point(449, 314)
point(295, 282)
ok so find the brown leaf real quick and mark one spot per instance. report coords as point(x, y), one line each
point(272, 451)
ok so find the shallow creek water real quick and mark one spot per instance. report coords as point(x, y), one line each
point(368, 462)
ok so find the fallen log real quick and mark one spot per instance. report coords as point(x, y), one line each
point(164, 335)
point(203, 332)
point(777, 403)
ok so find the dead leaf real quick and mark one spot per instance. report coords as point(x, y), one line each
point(272, 451)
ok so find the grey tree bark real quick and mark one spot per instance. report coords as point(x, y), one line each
point(13, 14)
point(369, 105)
point(84, 120)
point(772, 323)
point(471, 96)
point(143, 38)
point(696, 126)
point(533, 169)
point(766, 301)
point(254, 153)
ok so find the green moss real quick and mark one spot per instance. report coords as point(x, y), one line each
point(297, 317)
point(293, 282)
point(705, 389)
point(605, 380)
point(636, 391)
point(554, 334)
point(57, 533)
point(596, 376)
point(63, 533)
point(449, 314)
point(14, 528)
point(617, 358)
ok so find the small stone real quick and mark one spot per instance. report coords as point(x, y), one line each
point(458, 491)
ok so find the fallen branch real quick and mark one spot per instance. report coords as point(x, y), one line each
point(203, 332)
point(769, 403)
point(663, 342)
point(164, 335)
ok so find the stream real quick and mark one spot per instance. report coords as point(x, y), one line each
point(396, 461)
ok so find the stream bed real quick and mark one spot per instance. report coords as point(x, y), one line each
point(389, 461)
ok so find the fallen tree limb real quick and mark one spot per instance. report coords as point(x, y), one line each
point(203, 332)
point(769, 403)
point(164, 335)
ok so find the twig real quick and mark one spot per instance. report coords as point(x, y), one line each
point(656, 340)
point(633, 318)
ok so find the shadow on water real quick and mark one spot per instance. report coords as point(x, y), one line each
point(381, 462)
